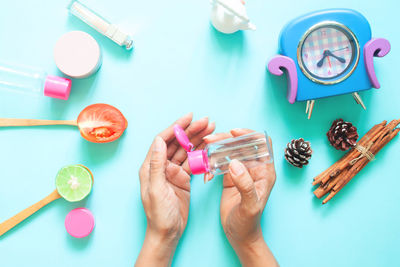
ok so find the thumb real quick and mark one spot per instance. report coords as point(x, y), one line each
point(158, 160)
point(245, 184)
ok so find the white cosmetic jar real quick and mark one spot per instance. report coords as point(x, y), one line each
point(77, 54)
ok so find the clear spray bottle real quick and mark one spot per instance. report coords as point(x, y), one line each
point(251, 149)
point(28, 80)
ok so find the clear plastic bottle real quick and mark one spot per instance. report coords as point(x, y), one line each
point(33, 81)
point(252, 150)
point(100, 24)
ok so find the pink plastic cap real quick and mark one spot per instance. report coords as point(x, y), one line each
point(198, 162)
point(57, 87)
point(79, 222)
point(182, 138)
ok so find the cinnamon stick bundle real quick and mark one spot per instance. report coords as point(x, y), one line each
point(340, 173)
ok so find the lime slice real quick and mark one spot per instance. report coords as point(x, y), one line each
point(74, 182)
point(91, 174)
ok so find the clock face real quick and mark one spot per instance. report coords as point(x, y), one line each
point(328, 52)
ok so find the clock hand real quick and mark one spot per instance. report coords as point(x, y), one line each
point(340, 49)
point(321, 61)
point(328, 53)
point(340, 59)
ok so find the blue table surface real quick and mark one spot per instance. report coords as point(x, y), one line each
point(181, 64)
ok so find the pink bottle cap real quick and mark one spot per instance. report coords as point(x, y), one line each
point(57, 87)
point(198, 160)
point(79, 222)
point(182, 138)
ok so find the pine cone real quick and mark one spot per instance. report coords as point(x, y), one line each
point(342, 135)
point(298, 152)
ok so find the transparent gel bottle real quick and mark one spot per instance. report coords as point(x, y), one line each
point(21, 79)
point(252, 150)
point(100, 24)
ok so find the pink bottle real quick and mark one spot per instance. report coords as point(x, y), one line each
point(252, 149)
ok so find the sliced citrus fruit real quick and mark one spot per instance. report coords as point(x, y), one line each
point(91, 174)
point(74, 182)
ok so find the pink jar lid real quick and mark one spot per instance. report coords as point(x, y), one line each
point(57, 87)
point(79, 222)
point(77, 54)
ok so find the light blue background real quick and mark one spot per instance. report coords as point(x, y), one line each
point(182, 64)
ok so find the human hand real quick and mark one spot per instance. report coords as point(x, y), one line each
point(165, 190)
point(244, 197)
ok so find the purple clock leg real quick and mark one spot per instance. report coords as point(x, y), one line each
point(377, 47)
point(276, 65)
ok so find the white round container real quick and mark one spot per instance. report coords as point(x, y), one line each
point(77, 54)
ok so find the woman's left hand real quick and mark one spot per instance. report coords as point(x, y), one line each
point(244, 196)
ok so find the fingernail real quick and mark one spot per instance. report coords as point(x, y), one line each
point(207, 136)
point(211, 126)
point(206, 178)
point(157, 144)
point(236, 167)
point(237, 129)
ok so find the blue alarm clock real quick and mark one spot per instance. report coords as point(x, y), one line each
point(328, 53)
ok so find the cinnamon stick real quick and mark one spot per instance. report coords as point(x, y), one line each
point(333, 179)
point(323, 190)
point(338, 167)
point(363, 162)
